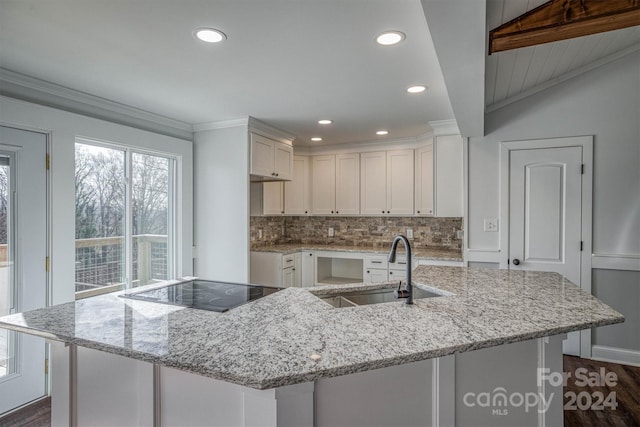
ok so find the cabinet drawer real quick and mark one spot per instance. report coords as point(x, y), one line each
point(288, 260)
point(376, 261)
point(400, 264)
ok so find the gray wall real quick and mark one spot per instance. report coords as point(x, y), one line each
point(604, 102)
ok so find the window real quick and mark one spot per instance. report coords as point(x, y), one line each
point(124, 227)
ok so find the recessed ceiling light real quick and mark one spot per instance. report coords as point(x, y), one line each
point(389, 38)
point(325, 122)
point(416, 89)
point(382, 132)
point(316, 139)
point(210, 35)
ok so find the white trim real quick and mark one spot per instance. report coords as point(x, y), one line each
point(444, 127)
point(29, 89)
point(480, 255)
point(465, 199)
point(615, 355)
point(199, 127)
point(361, 147)
point(625, 262)
point(564, 77)
point(443, 391)
point(586, 143)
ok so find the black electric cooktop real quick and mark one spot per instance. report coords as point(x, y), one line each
point(204, 294)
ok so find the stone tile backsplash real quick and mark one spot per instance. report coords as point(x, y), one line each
point(435, 233)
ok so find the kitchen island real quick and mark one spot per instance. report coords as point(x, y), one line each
point(292, 359)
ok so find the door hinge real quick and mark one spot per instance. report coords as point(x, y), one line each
point(582, 169)
point(581, 245)
point(46, 264)
point(48, 161)
point(46, 366)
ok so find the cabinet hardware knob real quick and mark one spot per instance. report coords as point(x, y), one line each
point(516, 261)
point(310, 254)
point(306, 211)
point(391, 272)
point(382, 211)
point(277, 174)
point(418, 211)
point(331, 211)
point(337, 212)
point(368, 272)
point(388, 212)
point(282, 212)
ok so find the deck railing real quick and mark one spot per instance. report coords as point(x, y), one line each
point(100, 261)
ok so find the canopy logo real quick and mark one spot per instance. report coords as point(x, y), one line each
point(499, 400)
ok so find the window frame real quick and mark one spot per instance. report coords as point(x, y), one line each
point(173, 218)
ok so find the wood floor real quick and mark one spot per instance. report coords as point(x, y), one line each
point(37, 414)
point(626, 414)
point(627, 394)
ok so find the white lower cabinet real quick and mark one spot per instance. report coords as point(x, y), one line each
point(307, 268)
point(275, 269)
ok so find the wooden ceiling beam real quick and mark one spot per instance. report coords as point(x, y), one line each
point(564, 19)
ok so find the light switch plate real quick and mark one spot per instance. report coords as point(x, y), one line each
point(410, 233)
point(259, 233)
point(331, 233)
point(491, 224)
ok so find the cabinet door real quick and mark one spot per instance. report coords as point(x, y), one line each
point(372, 275)
point(288, 277)
point(424, 181)
point(324, 184)
point(307, 263)
point(297, 268)
point(347, 184)
point(400, 182)
point(373, 183)
point(262, 152)
point(283, 160)
point(296, 191)
point(448, 155)
point(398, 275)
point(272, 200)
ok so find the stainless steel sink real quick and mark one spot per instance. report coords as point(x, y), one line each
point(372, 296)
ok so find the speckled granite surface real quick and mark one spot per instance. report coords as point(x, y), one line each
point(418, 253)
point(293, 336)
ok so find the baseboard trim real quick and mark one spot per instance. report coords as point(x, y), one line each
point(615, 355)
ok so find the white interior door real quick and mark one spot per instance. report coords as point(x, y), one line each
point(23, 251)
point(545, 215)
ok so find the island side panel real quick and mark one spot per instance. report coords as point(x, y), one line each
point(397, 395)
point(498, 386)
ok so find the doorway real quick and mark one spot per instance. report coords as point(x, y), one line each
point(546, 213)
point(23, 261)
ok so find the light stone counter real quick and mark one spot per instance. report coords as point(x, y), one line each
point(294, 337)
point(418, 253)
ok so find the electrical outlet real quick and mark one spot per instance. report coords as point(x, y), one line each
point(460, 234)
point(491, 224)
point(410, 233)
point(259, 233)
point(331, 233)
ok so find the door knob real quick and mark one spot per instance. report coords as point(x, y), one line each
point(516, 261)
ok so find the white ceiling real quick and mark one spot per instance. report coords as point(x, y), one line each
point(516, 73)
point(286, 62)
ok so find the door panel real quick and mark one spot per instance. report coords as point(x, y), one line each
point(545, 190)
point(26, 241)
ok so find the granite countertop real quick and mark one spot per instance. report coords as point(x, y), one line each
point(419, 253)
point(293, 336)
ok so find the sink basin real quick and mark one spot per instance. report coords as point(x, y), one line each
point(371, 296)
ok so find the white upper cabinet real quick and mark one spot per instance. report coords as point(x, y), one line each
point(336, 184)
point(323, 185)
point(424, 181)
point(272, 198)
point(347, 184)
point(400, 182)
point(386, 179)
point(373, 182)
point(270, 159)
point(297, 192)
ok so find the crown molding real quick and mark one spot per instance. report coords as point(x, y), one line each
point(30, 89)
point(261, 127)
point(360, 147)
point(444, 127)
point(223, 124)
